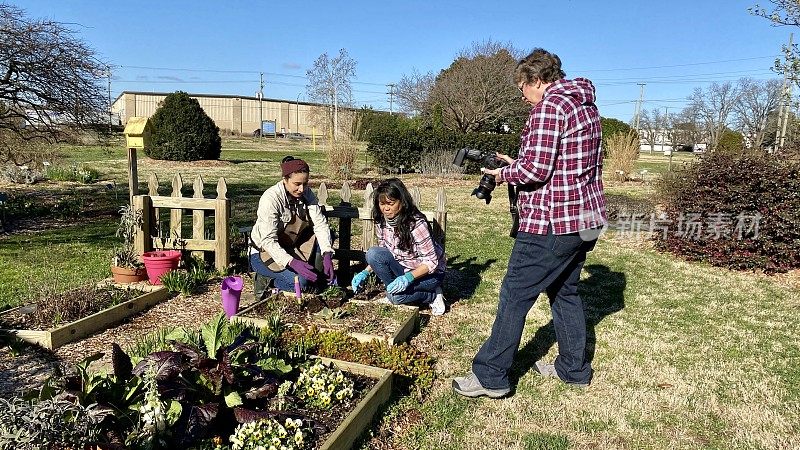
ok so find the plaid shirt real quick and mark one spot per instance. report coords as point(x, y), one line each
point(560, 163)
point(425, 249)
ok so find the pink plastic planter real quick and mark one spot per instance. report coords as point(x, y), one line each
point(159, 262)
point(231, 292)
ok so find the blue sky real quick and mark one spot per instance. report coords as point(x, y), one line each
point(673, 46)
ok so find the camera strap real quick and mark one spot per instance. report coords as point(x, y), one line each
point(512, 208)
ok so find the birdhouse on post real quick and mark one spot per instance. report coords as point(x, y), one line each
point(137, 136)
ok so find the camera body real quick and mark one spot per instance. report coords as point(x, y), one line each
point(486, 159)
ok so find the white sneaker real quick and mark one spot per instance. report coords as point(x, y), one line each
point(384, 300)
point(438, 307)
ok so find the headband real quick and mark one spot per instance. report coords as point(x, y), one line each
point(292, 166)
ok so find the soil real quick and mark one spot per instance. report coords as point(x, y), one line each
point(63, 308)
point(353, 317)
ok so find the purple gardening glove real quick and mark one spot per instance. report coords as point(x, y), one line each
point(303, 269)
point(327, 267)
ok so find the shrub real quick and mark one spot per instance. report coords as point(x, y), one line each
point(623, 150)
point(737, 211)
point(392, 148)
point(182, 131)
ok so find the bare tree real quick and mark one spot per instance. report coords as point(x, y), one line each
point(49, 79)
point(756, 101)
point(413, 91)
point(477, 92)
point(329, 82)
point(714, 106)
point(784, 13)
point(651, 127)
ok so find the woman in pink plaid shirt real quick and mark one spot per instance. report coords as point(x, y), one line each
point(408, 260)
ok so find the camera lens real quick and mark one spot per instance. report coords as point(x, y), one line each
point(485, 187)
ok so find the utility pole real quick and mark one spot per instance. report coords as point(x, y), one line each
point(783, 113)
point(391, 96)
point(639, 105)
point(108, 71)
point(261, 107)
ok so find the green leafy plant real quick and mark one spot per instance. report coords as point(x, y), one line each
point(331, 315)
point(130, 220)
point(50, 423)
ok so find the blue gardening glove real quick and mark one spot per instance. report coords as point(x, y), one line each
point(358, 279)
point(327, 267)
point(303, 269)
point(400, 283)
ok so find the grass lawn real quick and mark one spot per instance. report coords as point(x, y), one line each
point(685, 355)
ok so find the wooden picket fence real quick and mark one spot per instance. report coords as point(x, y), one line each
point(154, 234)
point(345, 213)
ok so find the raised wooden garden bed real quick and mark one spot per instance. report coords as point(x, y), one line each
point(57, 336)
point(364, 320)
point(359, 418)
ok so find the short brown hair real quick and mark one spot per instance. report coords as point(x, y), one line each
point(540, 65)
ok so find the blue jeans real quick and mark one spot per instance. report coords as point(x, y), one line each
point(422, 290)
point(284, 280)
point(550, 263)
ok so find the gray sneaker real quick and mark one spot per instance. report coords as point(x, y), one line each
point(549, 370)
point(469, 386)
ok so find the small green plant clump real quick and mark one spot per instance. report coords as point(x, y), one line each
point(187, 281)
point(182, 131)
point(85, 175)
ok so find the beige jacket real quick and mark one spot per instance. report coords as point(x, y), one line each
point(275, 210)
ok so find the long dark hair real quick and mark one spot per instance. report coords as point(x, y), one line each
point(394, 189)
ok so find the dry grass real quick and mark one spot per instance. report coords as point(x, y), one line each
point(697, 357)
point(623, 150)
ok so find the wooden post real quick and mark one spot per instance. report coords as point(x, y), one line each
point(175, 214)
point(440, 216)
point(345, 228)
point(143, 242)
point(367, 225)
point(198, 216)
point(222, 210)
point(415, 195)
point(133, 176)
point(152, 190)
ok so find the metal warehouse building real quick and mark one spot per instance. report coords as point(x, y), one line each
point(231, 113)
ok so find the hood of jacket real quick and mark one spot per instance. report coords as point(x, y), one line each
point(581, 89)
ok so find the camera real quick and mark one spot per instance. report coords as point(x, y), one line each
point(487, 184)
point(486, 159)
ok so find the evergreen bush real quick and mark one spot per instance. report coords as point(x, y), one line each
point(392, 148)
point(182, 131)
point(733, 210)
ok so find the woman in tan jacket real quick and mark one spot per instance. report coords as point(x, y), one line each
point(290, 230)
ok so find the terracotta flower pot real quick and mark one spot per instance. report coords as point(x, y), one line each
point(125, 275)
point(160, 262)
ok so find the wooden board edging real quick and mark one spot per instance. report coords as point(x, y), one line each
point(73, 331)
point(360, 418)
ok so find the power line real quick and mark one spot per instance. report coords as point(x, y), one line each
point(680, 65)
